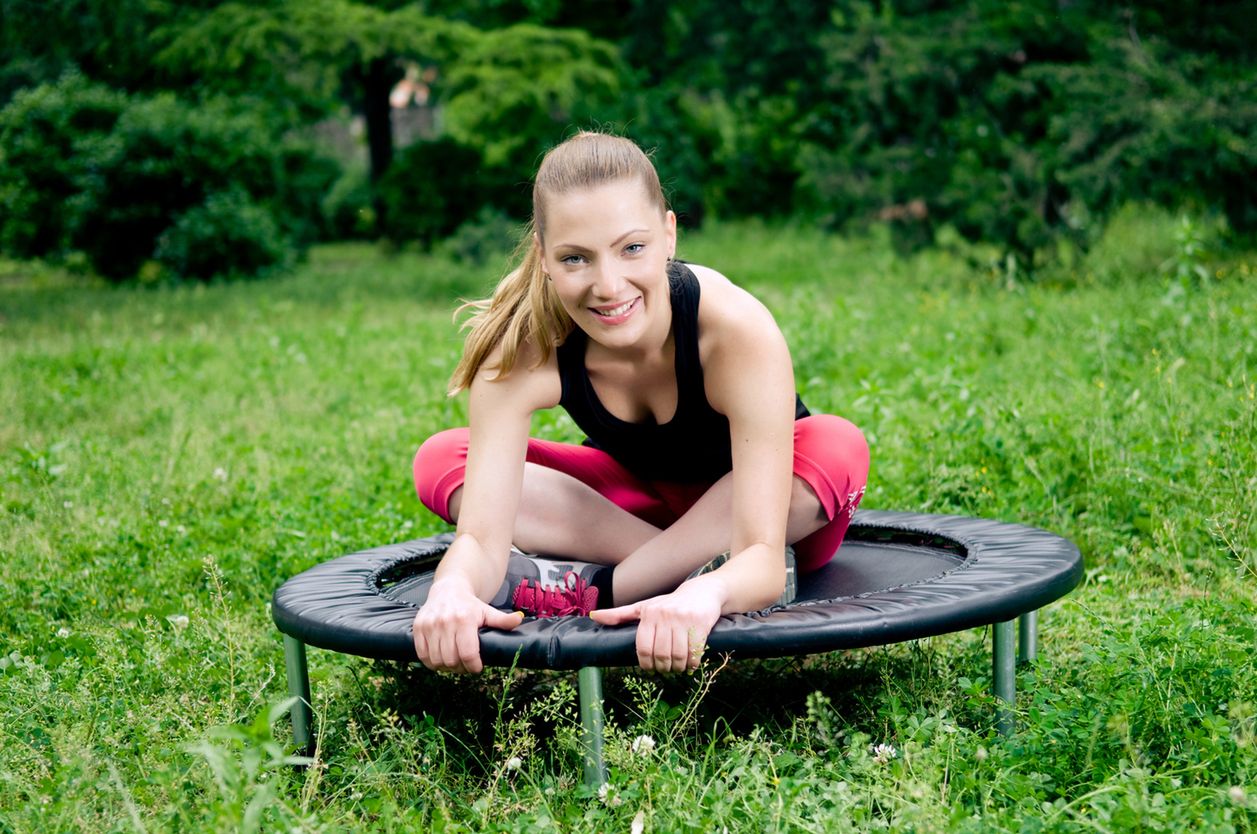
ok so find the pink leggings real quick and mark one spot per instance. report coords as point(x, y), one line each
point(830, 456)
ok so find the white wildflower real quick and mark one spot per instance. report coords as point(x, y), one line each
point(63, 632)
point(163, 523)
point(220, 474)
point(642, 745)
point(179, 621)
point(514, 763)
point(639, 823)
point(980, 754)
point(883, 753)
point(1236, 793)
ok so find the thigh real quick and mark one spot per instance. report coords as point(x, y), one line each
point(441, 463)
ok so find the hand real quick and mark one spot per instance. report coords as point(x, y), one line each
point(447, 627)
point(673, 628)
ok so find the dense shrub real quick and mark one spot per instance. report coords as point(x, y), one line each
point(226, 235)
point(124, 171)
point(347, 209)
point(53, 140)
point(432, 188)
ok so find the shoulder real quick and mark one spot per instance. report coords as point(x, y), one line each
point(532, 385)
point(730, 319)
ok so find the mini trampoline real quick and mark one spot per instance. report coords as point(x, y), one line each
point(898, 576)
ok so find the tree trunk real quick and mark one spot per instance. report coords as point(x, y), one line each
point(377, 82)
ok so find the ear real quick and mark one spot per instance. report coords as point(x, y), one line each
point(670, 232)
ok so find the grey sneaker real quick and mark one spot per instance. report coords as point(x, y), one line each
point(792, 583)
point(543, 572)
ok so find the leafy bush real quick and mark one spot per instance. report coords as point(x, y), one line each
point(489, 236)
point(53, 139)
point(1019, 129)
point(432, 188)
point(226, 235)
point(347, 210)
point(125, 170)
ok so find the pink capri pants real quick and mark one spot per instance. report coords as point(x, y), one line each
point(830, 456)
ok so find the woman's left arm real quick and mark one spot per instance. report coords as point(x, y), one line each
point(751, 381)
point(749, 378)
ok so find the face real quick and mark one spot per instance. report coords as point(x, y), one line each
point(606, 250)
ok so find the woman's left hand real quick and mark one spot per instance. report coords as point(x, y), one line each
point(673, 628)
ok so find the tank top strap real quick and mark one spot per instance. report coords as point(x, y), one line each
point(686, 293)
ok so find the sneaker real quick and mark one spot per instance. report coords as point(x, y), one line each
point(792, 583)
point(529, 576)
point(573, 598)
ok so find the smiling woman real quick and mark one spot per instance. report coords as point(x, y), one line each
point(697, 443)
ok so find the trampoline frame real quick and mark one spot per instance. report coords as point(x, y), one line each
point(1004, 662)
point(1008, 650)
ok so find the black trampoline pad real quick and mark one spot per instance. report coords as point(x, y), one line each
point(898, 576)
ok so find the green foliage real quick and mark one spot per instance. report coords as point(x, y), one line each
point(302, 51)
point(53, 140)
point(432, 188)
point(517, 91)
point(136, 169)
point(347, 207)
point(226, 235)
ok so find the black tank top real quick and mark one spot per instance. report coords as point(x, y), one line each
point(692, 447)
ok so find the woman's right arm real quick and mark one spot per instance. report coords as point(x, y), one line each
point(446, 629)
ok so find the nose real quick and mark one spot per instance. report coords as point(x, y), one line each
point(608, 282)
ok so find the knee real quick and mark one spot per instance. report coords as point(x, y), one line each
point(834, 443)
point(438, 468)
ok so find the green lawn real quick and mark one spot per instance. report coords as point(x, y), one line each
point(169, 456)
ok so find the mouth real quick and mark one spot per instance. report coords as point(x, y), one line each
point(618, 312)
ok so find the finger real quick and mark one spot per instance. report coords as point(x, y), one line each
point(617, 616)
point(421, 646)
point(467, 642)
point(698, 644)
point(681, 648)
point(646, 646)
point(494, 618)
point(448, 648)
point(663, 650)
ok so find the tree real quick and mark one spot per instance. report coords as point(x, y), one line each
point(300, 54)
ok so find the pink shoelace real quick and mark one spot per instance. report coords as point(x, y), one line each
point(575, 597)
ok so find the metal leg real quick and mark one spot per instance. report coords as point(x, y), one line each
point(1004, 675)
point(590, 694)
point(299, 685)
point(1028, 637)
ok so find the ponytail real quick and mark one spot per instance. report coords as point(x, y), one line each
point(523, 308)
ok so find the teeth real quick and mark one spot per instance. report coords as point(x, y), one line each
point(615, 311)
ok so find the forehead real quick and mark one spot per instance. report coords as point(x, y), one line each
point(601, 213)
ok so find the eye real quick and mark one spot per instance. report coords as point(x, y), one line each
point(634, 248)
point(571, 260)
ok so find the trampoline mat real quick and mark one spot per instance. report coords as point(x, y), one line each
point(858, 568)
point(898, 576)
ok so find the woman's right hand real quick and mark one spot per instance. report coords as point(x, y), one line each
point(447, 627)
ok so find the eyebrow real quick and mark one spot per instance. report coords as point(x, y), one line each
point(616, 242)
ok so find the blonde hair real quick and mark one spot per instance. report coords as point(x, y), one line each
point(524, 306)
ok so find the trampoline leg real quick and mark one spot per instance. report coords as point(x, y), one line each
point(299, 686)
point(590, 694)
point(1004, 675)
point(1028, 637)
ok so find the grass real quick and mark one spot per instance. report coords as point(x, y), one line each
point(169, 456)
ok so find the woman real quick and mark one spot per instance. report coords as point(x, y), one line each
point(697, 444)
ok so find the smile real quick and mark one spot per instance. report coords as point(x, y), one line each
point(616, 311)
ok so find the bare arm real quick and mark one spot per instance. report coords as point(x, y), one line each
point(749, 378)
point(446, 627)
